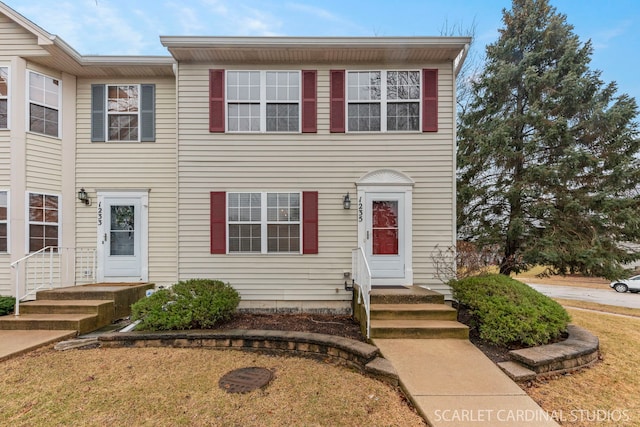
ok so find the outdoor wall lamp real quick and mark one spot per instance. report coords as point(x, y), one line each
point(84, 197)
point(346, 201)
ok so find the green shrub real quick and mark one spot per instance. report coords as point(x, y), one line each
point(6, 305)
point(508, 312)
point(189, 304)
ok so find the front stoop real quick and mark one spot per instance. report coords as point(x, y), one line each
point(83, 308)
point(411, 312)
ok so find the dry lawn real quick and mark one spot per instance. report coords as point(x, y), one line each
point(179, 387)
point(607, 393)
point(531, 276)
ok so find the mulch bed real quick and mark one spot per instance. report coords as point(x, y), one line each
point(343, 326)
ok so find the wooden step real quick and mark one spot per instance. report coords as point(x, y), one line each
point(80, 322)
point(418, 329)
point(413, 311)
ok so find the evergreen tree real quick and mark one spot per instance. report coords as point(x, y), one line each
point(548, 168)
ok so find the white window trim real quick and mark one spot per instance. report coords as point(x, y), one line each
point(263, 101)
point(28, 222)
point(106, 109)
point(29, 102)
point(2, 190)
point(264, 244)
point(8, 97)
point(382, 101)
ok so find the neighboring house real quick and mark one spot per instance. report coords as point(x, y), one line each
point(231, 159)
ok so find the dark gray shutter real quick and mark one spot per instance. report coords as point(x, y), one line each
point(147, 113)
point(97, 113)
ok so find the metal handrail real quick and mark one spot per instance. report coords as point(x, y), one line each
point(362, 277)
point(52, 266)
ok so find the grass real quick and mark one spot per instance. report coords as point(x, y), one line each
point(179, 387)
point(605, 394)
point(532, 276)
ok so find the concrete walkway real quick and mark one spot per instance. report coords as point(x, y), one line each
point(15, 342)
point(452, 383)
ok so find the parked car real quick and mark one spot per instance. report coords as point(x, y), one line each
point(632, 284)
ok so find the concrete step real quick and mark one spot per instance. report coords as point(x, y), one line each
point(405, 295)
point(418, 329)
point(66, 306)
point(413, 311)
point(80, 322)
point(122, 294)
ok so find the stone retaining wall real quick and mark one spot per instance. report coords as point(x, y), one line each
point(580, 349)
point(360, 355)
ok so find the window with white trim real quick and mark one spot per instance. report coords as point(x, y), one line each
point(44, 221)
point(383, 101)
point(263, 101)
point(44, 104)
point(4, 97)
point(4, 221)
point(264, 222)
point(123, 112)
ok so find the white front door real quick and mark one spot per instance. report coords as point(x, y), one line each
point(122, 231)
point(385, 236)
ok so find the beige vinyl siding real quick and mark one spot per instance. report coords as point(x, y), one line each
point(5, 158)
point(44, 160)
point(15, 40)
point(323, 162)
point(6, 289)
point(116, 166)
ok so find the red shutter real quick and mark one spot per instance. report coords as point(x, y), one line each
point(309, 222)
point(216, 100)
point(309, 110)
point(218, 222)
point(429, 100)
point(337, 104)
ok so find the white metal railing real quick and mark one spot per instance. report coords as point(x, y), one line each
point(52, 267)
point(362, 277)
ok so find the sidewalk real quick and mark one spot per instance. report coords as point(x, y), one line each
point(452, 384)
point(14, 342)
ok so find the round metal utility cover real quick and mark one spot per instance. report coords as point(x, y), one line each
point(244, 380)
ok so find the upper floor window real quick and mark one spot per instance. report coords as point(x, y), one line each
point(123, 108)
point(383, 101)
point(4, 204)
point(4, 97)
point(123, 112)
point(44, 221)
point(44, 104)
point(262, 101)
point(259, 101)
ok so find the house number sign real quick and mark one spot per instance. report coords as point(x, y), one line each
point(360, 209)
point(100, 213)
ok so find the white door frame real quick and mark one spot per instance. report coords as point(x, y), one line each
point(388, 181)
point(103, 228)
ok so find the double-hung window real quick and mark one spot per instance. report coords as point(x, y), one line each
point(123, 112)
point(263, 101)
point(123, 109)
point(4, 97)
point(44, 221)
point(4, 215)
point(383, 101)
point(44, 104)
point(264, 222)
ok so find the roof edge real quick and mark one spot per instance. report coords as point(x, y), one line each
point(318, 42)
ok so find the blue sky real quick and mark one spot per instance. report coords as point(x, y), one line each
point(133, 26)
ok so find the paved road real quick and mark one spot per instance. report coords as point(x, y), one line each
point(601, 296)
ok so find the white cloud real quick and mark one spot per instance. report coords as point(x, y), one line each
point(602, 39)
